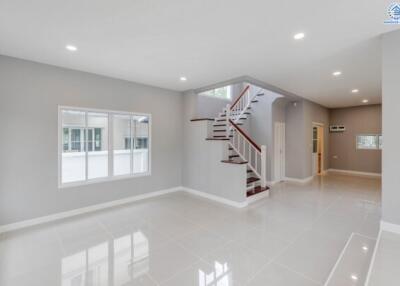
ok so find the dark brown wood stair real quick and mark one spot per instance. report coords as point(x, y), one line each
point(222, 138)
point(252, 180)
point(234, 162)
point(256, 191)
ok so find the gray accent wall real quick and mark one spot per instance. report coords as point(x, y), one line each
point(357, 121)
point(390, 126)
point(300, 116)
point(29, 97)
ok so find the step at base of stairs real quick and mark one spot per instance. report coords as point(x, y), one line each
point(234, 162)
point(256, 191)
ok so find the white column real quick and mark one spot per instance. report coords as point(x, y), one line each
point(263, 166)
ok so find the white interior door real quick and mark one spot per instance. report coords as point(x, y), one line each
point(279, 151)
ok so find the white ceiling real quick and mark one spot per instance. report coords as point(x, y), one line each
point(208, 41)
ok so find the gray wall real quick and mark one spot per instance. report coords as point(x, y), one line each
point(29, 97)
point(343, 152)
point(202, 166)
point(391, 130)
point(264, 113)
point(299, 124)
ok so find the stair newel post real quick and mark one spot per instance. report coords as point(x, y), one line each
point(228, 115)
point(263, 166)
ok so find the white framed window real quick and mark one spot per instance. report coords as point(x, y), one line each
point(222, 93)
point(369, 141)
point(100, 145)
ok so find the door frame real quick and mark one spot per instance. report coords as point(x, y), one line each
point(320, 145)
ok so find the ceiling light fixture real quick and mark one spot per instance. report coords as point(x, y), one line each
point(183, 78)
point(71, 48)
point(365, 248)
point(365, 101)
point(299, 36)
point(354, 90)
point(337, 73)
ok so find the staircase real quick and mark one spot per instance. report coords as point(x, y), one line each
point(241, 148)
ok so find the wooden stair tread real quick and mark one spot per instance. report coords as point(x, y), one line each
point(252, 180)
point(233, 156)
point(202, 119)
point(224, 139)
point(249, 171)
point(223, 124)
point(234, 162)
point(256, 191)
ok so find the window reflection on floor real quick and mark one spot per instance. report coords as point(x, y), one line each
point(131, 254)
point(88, 267)
point(221, 276)
point(115, 262)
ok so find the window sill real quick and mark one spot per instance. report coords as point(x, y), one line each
point(101, 180)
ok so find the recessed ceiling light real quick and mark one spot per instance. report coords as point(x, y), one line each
point(354, 90)
point(299, 36)
point(71, 48)
point(337, 73)
point(365, 248)
point(365, 101)
point(183, 78)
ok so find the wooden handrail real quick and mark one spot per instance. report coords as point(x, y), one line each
point(240, 96)
point(246, 136)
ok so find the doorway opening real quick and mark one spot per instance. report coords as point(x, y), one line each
point(318, 149)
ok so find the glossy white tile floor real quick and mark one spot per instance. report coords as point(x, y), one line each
point(385, 270)
point(294, 237)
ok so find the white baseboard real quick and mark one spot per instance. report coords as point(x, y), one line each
point(301, 181)
point(356, 173)
point(390, 227)
point(84, 210)
point(75, 212)
point(271, 183)
point(216, 198)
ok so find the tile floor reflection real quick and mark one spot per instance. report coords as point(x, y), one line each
point(294, 237)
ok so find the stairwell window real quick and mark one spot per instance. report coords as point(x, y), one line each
point(222, 93)
point(100, 145)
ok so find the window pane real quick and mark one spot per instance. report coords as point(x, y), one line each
point(222, 92)
point(97, 134)
point(73, 158)
point(140, 126)
point(66, 139)
point(367, 142)
point(122, 154)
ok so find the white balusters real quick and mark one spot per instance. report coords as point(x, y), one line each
point(228, 116)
